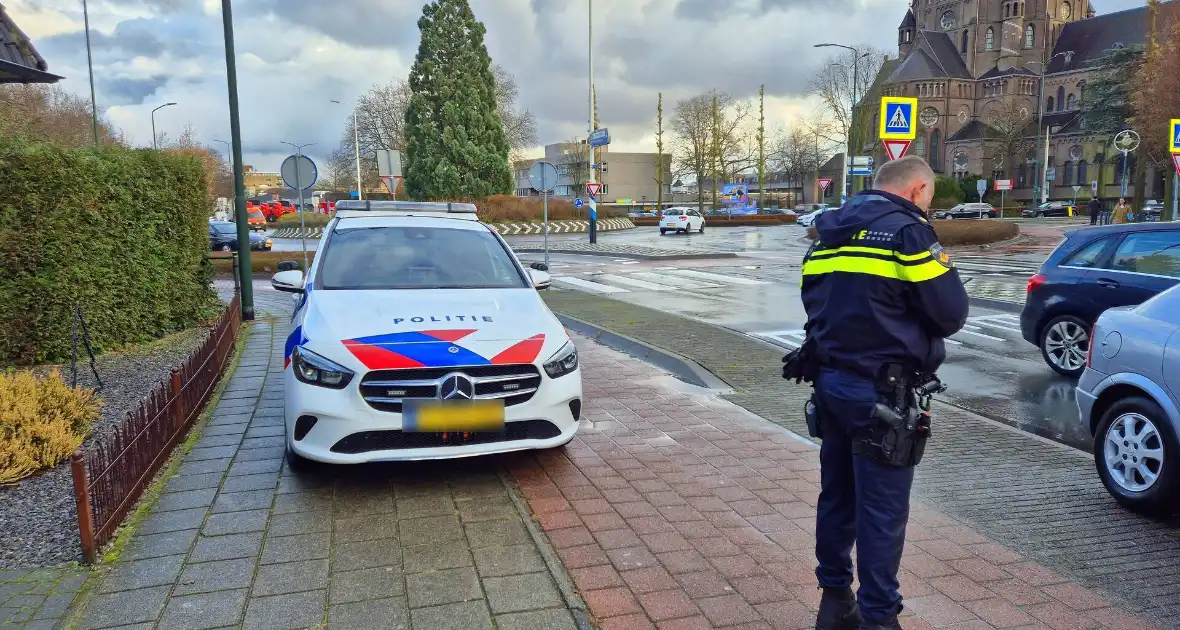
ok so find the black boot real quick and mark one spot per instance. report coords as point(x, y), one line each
point(889, 624)
point(837, 610)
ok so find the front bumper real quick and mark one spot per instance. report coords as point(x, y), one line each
point(342, 413)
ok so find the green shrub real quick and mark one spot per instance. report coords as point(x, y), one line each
point(121, 232)
point(947, 192)
point(310, 219)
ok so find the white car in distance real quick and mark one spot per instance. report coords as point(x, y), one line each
point(419, 335)
point(682, 220)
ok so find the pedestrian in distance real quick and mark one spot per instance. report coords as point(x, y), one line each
point(1095, 210)
point(1121, 212)
point(880, 295)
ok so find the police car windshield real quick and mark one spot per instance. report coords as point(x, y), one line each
point(417, 258)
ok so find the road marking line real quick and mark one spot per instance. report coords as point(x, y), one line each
point(966, 331)
point(586, 284)
point(716, 277)
point(642, 284)
point(682, 283)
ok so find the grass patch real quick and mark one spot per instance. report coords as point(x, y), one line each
point(966, 231)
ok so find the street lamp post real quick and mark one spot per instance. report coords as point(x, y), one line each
point(90, 66)
point(155, 145)
point(592, 203)
point(245, 273)
point(846, 183)
point(356, 138)
point(299, 186)
point(1043, 172)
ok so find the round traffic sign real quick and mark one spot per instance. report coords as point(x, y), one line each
point(543, 176)
point(299, 172)
point(578, 203)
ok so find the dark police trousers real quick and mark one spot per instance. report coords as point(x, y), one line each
point(860, 500)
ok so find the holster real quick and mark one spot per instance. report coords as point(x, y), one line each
point(811, 415)
point(903, 425)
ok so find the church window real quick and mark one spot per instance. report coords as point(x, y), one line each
point(989, 39)
point(1060, 98)
point(1071, 102)
point(920, 145)
point(1005, 10)
point(1049, 104)
point(935, 139)
point(1029, 36)
point(1071, 173)
point(963, 43)
point(1083, 176)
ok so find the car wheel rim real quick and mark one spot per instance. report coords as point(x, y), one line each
point(1065, 344)
point(1134, 452)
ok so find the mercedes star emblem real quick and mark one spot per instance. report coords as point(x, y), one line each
point(456, 387)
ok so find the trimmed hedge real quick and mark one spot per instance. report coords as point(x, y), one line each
point(122, 232)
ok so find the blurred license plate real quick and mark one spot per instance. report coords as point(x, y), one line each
point(443, 416)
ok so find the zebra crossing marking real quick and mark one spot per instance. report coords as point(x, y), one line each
point(704, 275)
point(586, 284)
point(681, 283)
point(634, 282)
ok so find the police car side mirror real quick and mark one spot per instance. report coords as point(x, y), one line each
point(288, 265)
point(290, 281)
point(540, 279)
point(539, 266)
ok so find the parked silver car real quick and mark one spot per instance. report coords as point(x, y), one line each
point(1129, 396)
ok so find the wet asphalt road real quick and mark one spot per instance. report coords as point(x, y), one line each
point(990, 369)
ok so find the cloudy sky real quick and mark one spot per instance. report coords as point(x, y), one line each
point(295, 56)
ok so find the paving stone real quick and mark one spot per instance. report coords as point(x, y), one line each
point(461, 616)
point(223, 429)
point(488, 508)
point(350, 505)
point(204, 466)
point(304, 501)
point(362, 528)
point(390, 613)
point(221, 575)
point(501, 561)
point(55, 607)
point(241, 501)
point(300, 523)
point(435, 557)
point(235, 523)
point(136, 574)
point(440, 504)
point(228, 547)
point(430, 530)
point(217, 440)
point(180, 483)
point(184, 500)
point(157, 545)
point(286, 612)
point(295, 548)
point(204, 611)
point(521, 592)
point(163, 522)
point(497, 533)
point(270, 442)
point(362, 584)
point(291, 577)
point(126, 607)
point(443, 587)
point(211, 452)
point(259, 432)
point(255, 454)
point(255, 467)
point(366, 555)
point(244, 483)
point(551, 619)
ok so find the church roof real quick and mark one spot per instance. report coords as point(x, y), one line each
point(1010, 72)
point(1089, 39)
point(19, 61)
point(934, 56)
point(973, 130)
point(908, 21)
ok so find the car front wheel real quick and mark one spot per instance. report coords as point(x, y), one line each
point(1136, 450)
point(701, 230)
point(226, 248)
point(1064, 342)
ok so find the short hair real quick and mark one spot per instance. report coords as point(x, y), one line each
point(899, 173)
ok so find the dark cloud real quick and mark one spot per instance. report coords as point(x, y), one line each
point(174, 6)
point(360, 23)
point(130, 91)
point(709, 10)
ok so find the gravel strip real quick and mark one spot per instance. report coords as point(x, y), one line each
point(38, 515)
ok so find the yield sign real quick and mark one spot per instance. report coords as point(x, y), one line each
point(1176, 161)
point(894, 149)
point(824, 182)
point(593, 189)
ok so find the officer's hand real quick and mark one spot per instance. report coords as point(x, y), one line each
point(792, 369)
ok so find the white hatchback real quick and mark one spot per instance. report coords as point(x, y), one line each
point(419, 335)
point(682, 220)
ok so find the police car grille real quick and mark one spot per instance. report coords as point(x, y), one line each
point(368, 441)
point(385, 390)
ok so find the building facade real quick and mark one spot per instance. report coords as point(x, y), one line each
point(256, 181)
point(626, 177)
point(976, 68)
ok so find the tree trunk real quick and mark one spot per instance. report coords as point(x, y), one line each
point(1139, 182)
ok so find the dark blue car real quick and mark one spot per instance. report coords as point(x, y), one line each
point(1094, 269)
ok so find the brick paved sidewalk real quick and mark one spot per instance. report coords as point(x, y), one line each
point(236, 540)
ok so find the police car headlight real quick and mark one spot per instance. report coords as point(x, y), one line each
point(563, 362)
point(313, 369)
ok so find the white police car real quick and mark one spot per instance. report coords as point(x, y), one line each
point(419, 335)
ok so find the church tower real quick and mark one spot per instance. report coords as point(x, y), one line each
point(906, 33)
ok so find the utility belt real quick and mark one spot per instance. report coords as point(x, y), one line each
point(903, 421)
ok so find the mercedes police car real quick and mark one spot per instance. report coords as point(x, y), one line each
point(417, 334)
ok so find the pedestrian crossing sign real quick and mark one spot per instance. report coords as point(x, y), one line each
point(898, 115)
point(1174, 135)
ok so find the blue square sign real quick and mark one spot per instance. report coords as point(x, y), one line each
point(898, 115)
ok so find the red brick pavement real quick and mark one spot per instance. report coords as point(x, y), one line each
point(681, 511)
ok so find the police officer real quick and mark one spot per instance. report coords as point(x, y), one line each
point(881, 295)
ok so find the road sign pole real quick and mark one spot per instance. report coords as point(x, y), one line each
point(545, 206)
point(302, 224)
point(1124, 187)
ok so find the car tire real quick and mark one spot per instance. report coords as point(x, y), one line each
point(1064, 336)
point(226, 248)
point(298, 463)
point(702, 228)
point(663, 231)
point(1039, 215)
point(1154, 431)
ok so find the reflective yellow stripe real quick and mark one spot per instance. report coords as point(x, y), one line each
point(849, 249)
point(875, 267)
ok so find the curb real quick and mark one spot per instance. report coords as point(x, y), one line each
point(681, 367)
point(999, 305)
point(689, 255)
point(573, 601)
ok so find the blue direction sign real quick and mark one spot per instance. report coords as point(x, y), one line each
point(861, 171)
point(1174, 134)
point(578, 203)
point(898, 118)
point(600, 137)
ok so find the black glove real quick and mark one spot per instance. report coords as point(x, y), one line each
point(793, 365)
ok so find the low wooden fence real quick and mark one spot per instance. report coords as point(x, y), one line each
point(110, 477)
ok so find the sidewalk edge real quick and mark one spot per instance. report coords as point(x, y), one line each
point(565, 584)
point(689, 255)
point(679, 366)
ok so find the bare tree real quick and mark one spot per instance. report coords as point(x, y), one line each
point(1010, 136)
point(695, 150)
point(833, 85)
point(50, 113)
point(573, 164)
point(660, 153)
point(801, 150)
point(520, 125)
point(761, 139)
